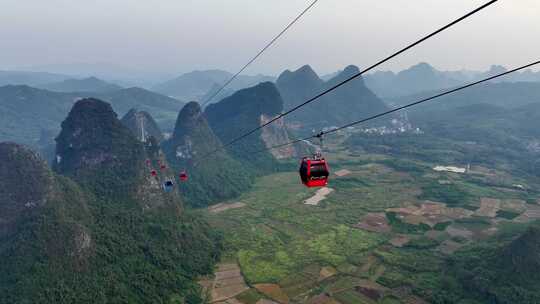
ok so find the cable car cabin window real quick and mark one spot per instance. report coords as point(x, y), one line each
point(168, 186)
point(303, 172)
point(318, 171)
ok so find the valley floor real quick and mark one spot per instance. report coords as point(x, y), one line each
point(380, 236)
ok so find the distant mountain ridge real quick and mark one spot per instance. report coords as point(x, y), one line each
point(29, 78)
point(91, 84)
point(350, 102)
point(424, 77)
point(198, 85)
point(26, 111)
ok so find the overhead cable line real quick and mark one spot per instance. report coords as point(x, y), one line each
point(355, 76)
point(319, 135)
point(259, 54)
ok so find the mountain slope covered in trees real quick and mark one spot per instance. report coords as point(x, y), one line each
point(350, 102)
point(101, 229)
point(212, 178)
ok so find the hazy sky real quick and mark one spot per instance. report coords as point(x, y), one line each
point(183, 35)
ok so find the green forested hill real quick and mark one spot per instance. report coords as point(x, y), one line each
point(91, 84)
point(105, 232)
point(504, 94)
point(504, 271)
point(26, 112)
point(351, 102)
point(212, 179)
point(242, 112)
point(141, 123)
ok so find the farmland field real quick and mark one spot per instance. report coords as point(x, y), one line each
point(381, 236)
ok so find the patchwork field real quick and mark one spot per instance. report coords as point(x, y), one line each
point(378, 236)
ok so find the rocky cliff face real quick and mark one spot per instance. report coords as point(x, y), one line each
point(213, 178)
point(142, 125)
point(276, 134)
point(244, 111)
point(98, 151)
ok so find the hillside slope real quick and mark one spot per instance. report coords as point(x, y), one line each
point(350, 102)
point(212, 179)
point(244, 111)
point(26, 112)
point(198, 85)
point(91, 84)
point(118, 238)
point(142, 125)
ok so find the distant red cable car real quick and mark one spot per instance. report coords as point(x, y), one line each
point(314, 172)
point(163, 167)
point(148, 162)
point(154, 173)
point(183, 176)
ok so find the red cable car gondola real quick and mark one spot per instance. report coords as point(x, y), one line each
point(154, 173)
point(314, 171)
point(183, 176)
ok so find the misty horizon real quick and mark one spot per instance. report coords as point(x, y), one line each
point(167, 44)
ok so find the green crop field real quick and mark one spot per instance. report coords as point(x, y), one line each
point(276, 238)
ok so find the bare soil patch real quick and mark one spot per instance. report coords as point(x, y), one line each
point(430, 213)
point(400, 241)
point(327, 272)
point(342, 173)
point(228, 283)
point(224, 207)
point(488, 207)
point(319, 196)
point(459, 232)
point(371, 290)
point(273, 291)
point(375, 222)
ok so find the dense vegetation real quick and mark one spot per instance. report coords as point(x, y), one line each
point(351, 102)
point(114, 237)
point(241, 113)
point(477, 134)
point(502, 270)
point(211, 179)
point(27, 113)
point(135, 256)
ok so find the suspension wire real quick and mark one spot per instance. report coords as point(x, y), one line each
point(322, 133)
point(260, 53)
point(355, 76)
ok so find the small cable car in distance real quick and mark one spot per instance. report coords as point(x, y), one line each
point(183, 176)
point(314, 170)
point(154, 173)
point(168, 186)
